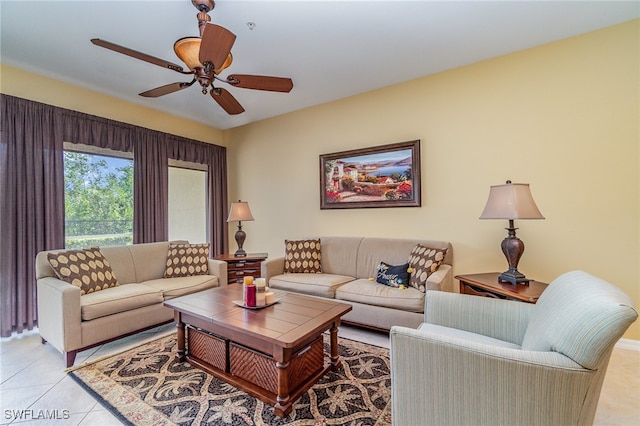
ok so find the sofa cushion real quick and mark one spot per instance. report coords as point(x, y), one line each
point(323, 285)
point(117, 299)
point(174, 287)
point(186, 260)
point(424, 261)
point(339, 256)
point(393, 275)
point(86, 269)
point(371, 293)
point(302, 256)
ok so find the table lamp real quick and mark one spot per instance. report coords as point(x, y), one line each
point(239, 212)
point(511, 201)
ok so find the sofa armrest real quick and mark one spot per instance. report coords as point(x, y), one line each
point(59, 316)
point(441, 279)
point(438, 380)
point(272, 267)
point(501, 319)
point(219, 269)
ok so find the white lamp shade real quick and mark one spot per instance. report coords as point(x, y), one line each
point(239, 212)
point(511, 201)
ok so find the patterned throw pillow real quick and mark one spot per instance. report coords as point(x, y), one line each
point(393, 276)
point(424, 261)
point(86, 269)
point(185, 260)
point(302, 256)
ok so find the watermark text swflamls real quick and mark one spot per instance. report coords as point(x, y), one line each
point(27, 414)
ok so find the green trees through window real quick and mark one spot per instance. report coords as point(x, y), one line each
point(98, 200)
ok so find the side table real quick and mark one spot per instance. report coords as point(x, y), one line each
point(487, 285)
point(240, 267)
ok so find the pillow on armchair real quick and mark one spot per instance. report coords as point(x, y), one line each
point(302, 256)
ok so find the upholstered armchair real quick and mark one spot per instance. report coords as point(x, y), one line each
point(484, 361)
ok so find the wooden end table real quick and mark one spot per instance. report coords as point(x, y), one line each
point(244, 266)
point(487, 285)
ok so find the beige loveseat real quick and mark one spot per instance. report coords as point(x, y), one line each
point(349, 263)
point(72, 323)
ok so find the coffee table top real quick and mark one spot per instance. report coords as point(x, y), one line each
point(287, 323)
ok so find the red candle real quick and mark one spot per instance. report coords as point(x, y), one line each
point(251, 296)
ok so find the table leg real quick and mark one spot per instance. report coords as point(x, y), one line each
point(283, 403)
point(334, 358)
point(181, 352)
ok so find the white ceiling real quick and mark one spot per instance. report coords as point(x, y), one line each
point(331, 49)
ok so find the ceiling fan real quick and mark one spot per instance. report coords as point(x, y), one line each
point(206, 57)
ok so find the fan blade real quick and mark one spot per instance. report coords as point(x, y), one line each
point(139, 55)
point(261, 82)
point(216, 45)
point(166, 89)
point(226, 101)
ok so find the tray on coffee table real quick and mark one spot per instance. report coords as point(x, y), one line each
point(242, 305)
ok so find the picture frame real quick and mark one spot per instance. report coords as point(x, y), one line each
point(379, 176)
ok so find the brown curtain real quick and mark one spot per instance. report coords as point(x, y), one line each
point(150, 189)
point(97, 131)
point(31, 206)
point(32, 190)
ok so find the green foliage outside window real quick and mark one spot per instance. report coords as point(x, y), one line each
point(98, 201)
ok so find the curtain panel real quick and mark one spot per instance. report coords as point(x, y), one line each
point(151, 197)
point(32, 190)
point(32, 206)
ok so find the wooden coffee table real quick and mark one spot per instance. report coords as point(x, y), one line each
point(274, 354)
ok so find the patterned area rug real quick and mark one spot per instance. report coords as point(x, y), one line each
point(147, 386)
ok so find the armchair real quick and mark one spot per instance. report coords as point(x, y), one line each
point(479, 360)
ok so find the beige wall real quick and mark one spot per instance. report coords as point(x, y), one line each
point(23, 84)
point(562, 117)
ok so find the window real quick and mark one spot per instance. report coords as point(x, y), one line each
point(187, 202)
point(98, 197)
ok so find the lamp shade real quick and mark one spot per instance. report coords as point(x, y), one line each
point(511, 201)
point(239, 212)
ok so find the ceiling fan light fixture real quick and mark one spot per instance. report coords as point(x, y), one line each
point(188, 50)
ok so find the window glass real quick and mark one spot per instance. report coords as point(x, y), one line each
point(187, 204)
point(98, 200)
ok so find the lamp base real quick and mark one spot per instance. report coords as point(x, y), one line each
point(512, 247)
point(240, 236)
point(513, 277)
point(240, 253)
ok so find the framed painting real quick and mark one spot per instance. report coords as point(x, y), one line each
point(380, 176)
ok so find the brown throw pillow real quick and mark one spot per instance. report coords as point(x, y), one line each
point(302, 256)
point(86, 269)
point(185, 260)
point(424, 261)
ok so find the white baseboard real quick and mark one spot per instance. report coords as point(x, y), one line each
point(633, 345)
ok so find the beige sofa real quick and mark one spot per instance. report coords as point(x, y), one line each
point(72, 323)
point(348, 263)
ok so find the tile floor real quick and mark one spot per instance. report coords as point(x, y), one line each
point(32, 378)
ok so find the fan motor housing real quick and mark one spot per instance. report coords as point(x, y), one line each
point(204, 5)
